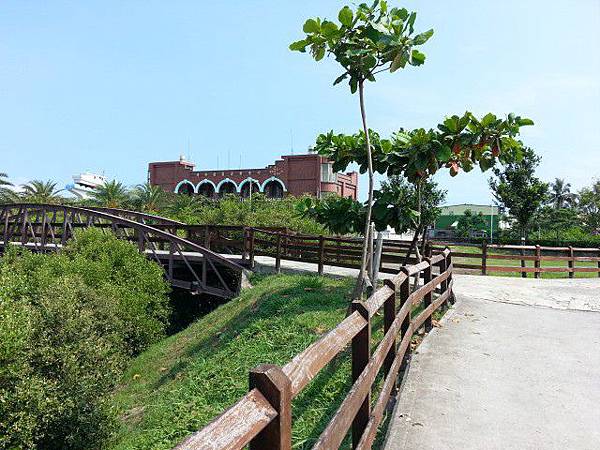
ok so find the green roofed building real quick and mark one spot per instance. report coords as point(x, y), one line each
point(448, 219)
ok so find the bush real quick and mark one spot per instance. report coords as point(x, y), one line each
point(68, 324)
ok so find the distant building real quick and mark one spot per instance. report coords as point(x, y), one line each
point(291, 175)
point(447, 222)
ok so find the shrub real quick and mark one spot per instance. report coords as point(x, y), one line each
point(68, 324)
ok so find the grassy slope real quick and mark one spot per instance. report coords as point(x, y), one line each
point(180, 384)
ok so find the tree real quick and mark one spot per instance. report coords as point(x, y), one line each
point(589, 207)
point(518, 191)
point(368, 41)
point(340, 215)
point(459, 143)
point(556, 220)
point(7, 195)
point(560, 194)
point(149, 198)
point(397, 200)
point(112, 194)
point(469, 222)
point(38, 191)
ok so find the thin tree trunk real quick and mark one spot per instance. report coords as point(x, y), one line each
point(362, 279)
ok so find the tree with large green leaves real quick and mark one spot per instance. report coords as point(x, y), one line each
point(459, 143)
point(589, 207)
point(518, 191)
point(113, 194)
point(366, 41)
point(40, 191)
point(340, 215)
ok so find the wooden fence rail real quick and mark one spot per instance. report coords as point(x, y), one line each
point(262, 418)
point(534, 255)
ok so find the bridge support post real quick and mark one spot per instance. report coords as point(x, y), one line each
point(276, 387)
point(429, 296)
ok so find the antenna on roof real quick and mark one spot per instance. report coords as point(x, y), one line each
point(292, 140)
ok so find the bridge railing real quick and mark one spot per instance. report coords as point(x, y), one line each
point(262, 419)
point(527, 259)
point(187, 264)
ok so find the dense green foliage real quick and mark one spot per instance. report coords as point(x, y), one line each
point(589, 207)
point(403, 205)
point(518, 191)
point(68, 324)
point(339, 215)
point(469, 222)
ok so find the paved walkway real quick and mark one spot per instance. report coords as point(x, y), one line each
point(514, 365)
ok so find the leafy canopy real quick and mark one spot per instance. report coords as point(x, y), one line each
point(460, 142)
point(367, 41)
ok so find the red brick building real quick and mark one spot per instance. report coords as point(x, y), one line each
point(292, 174)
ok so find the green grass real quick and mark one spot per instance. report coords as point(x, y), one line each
point(183, 382)
point(516, 263)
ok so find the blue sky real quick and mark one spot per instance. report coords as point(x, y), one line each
point(112, 85)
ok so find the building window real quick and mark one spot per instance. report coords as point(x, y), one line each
point(327, 175)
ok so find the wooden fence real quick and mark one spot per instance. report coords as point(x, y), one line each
point(262, 418)
point(528, 259)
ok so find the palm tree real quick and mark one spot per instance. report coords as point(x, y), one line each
point(7, 195)
point(39, 191)
point(560, 194)
point(113, 194)
point(149, 198)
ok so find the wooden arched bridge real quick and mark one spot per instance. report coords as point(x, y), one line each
point(187, 265)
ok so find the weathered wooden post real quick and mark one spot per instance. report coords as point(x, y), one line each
point(449, 279)
point(321, 254)
point(276, 387)
point(429, 296)
point(598, 262)
point(571, 261)
point(484, 251)
point(278, 256)
point(251, 247)
point(522, 252)
point(404, 297)
point(444, 284)
point(361, 353)
point(538, 262)
point(389, 314)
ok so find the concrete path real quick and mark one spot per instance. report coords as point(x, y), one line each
point(514, 365)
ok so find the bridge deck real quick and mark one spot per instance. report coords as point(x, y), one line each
point(498, 375)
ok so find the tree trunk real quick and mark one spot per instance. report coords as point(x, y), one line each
point(363, 278)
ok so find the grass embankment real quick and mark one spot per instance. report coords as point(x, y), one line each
point(183, 382)
point(517, 263)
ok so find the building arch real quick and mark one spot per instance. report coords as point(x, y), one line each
point(244, 187)
point(224, 187)
point(185, 187)
point(207, 188)
point(273, 187)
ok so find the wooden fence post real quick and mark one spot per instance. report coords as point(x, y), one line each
point(251, 247)
point(521, 252)
point(538, 262)
point(599, 262)
point(404, 294)
point(444, 284)
point(278, 256)
point(244, 243)
point(276, 387)
point(361, 353)
point(429, 296)
point(484, 251)
point(321, 254)
point(452, 299)
point(389, 314)
point(571, 261)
